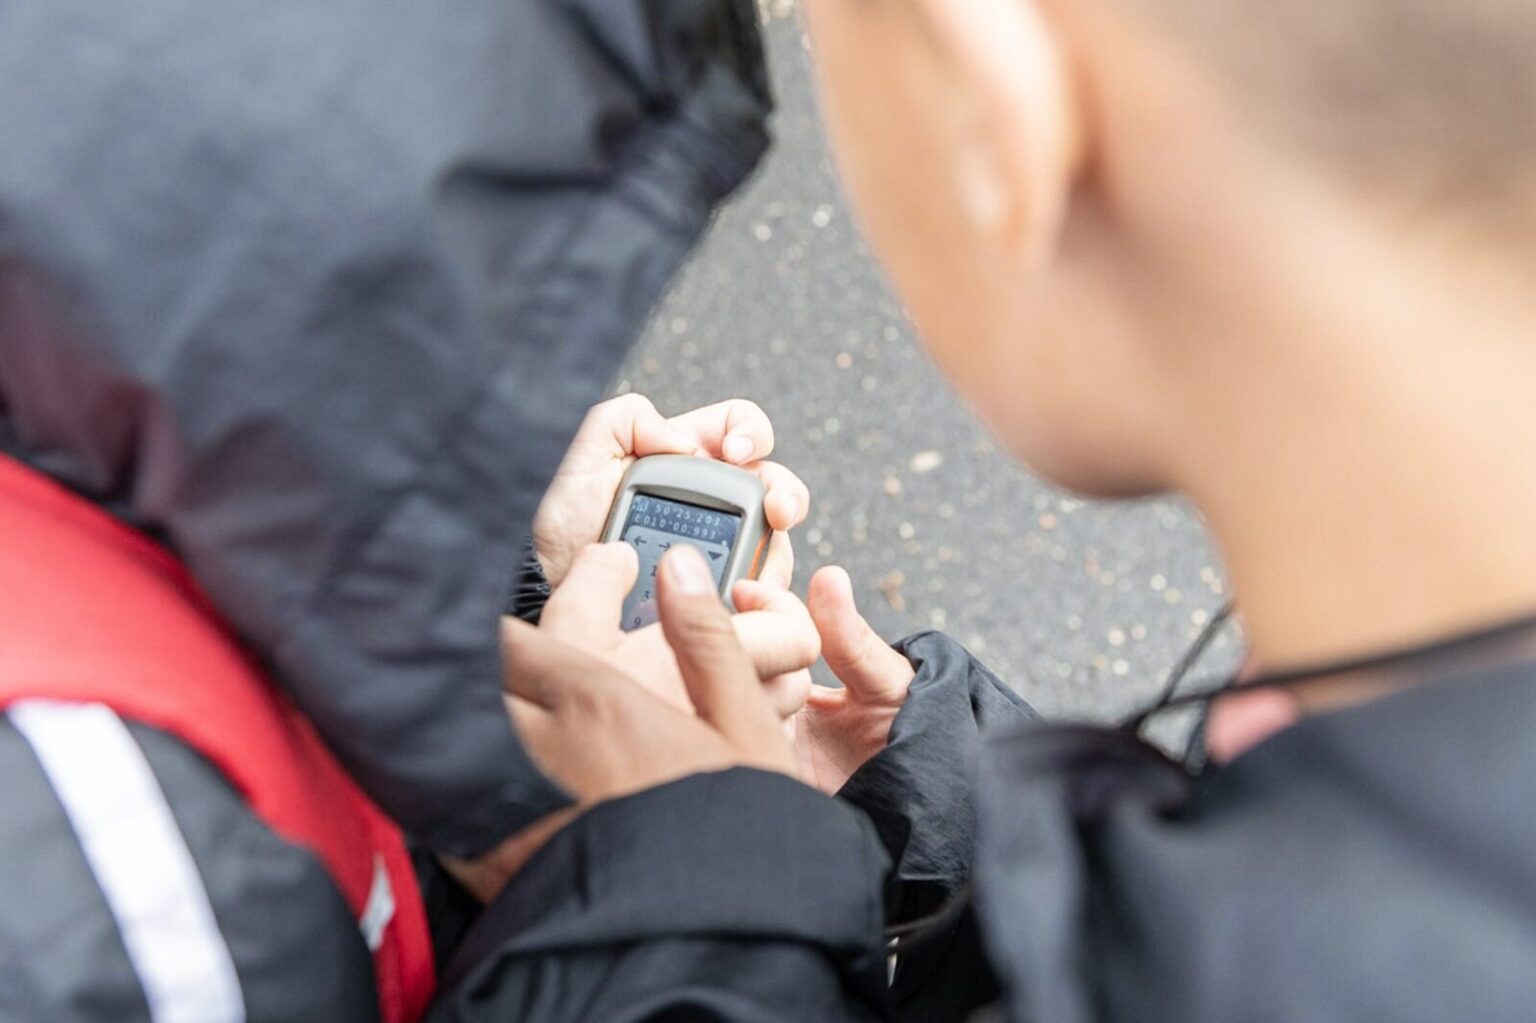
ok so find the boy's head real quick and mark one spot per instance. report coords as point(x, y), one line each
point(1126, 225)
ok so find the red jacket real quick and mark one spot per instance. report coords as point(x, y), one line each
point(96, 613)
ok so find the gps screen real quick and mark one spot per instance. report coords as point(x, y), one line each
point(653, 526)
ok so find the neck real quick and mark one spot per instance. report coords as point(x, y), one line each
point(1368, 462)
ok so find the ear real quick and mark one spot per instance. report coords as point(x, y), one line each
point(1025, 147)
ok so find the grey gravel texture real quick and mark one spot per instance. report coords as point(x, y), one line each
point(1082, 606)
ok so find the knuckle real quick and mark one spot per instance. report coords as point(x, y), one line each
point(598, 416)
point(777, 478)
point(581, 568)
point(875, 660)
point(604, 558)
point(629, 404)
point(746, 408)
point(610, 556)
point(590, 702)
point(587, 554)
point(856, 656)
point(709, 626)
point(705, 631)
point(795, 614)
point(867, 646)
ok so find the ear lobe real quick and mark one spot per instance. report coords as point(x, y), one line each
point(1025, 150)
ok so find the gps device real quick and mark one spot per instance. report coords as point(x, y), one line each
point(666, 500)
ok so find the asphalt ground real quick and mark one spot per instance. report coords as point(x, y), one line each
point(1083, 607)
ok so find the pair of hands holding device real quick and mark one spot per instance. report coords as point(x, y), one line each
point(607, 713)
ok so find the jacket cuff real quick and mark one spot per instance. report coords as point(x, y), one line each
point(740, 853)
point(920, 790)
point(530, 590)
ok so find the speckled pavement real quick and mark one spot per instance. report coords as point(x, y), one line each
point(1083, 607)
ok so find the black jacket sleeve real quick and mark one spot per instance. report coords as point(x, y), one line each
point(530, 589)
point(747, 897)
point(919, 789)
point(297, 952)
point(740, 896)
point(919, 792)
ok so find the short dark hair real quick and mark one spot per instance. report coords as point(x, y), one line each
point(1428, 105)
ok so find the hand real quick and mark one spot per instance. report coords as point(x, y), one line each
point(618, 431)
point(601, 735)
point(840, 729)
point(773, 627)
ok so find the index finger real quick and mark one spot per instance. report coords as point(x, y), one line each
point(716, 670)
point(736, 430)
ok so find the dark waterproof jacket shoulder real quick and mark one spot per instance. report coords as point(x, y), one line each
point(1370, 866)
point(1375, 864)
point(317, 294)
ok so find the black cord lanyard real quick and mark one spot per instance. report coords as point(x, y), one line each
point(1169, 697)
point(1434, 649)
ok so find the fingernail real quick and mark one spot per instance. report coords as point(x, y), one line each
point(689, 575)
point(737, 448)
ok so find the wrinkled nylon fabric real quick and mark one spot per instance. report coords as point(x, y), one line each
point(1370, 864)
point(317, 295)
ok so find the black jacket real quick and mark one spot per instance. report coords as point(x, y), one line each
point(320, 306)
point(1368, 865)
point(318, 293)
point(1377, 864)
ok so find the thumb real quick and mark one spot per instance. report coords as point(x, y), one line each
point(719, 676)
point(590, 599)
point(862, 661)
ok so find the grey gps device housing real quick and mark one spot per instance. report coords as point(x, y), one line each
point(669, 499)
